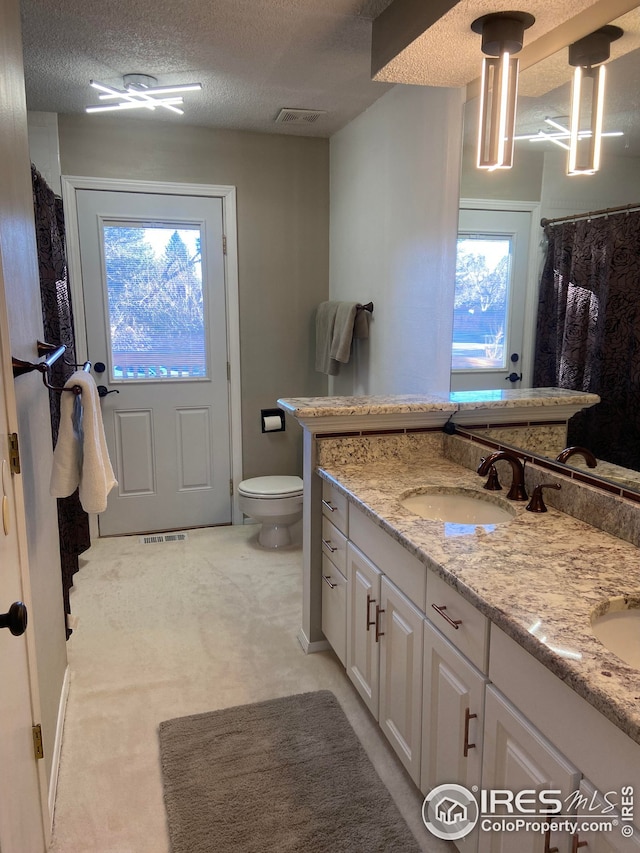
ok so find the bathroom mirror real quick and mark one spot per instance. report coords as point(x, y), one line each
point(539, 173)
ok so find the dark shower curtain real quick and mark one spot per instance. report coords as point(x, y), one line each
point(588, 330)
point(73, 521)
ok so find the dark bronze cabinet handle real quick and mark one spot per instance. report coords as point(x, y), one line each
point(467, 745)
point(547, 842)
point(576, 843)
point(15, 619)
point(455, 623)
point(370, 622)
point(379, 633)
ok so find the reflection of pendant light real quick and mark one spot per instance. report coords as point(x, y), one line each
point(139, 92)
point(587, 99)
point(502, 35)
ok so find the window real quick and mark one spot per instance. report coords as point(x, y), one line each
point(155, 301)
point(481, 307)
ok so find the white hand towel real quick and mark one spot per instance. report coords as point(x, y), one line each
point(81, 457)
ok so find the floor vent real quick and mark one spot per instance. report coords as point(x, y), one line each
point(159, 538)
point(290, 116)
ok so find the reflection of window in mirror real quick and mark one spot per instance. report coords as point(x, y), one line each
point(492, 282)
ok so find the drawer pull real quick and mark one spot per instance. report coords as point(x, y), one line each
point(467, 745)
point(576, 843)
point(327, 544)
point(370, 601)
point(455, 623)
point(379, 633)
point(547, 842)
point(329, 506)
point(327, 580)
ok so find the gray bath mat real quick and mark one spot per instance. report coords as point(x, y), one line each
point(284, 776)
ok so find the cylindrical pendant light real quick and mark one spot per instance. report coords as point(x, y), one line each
point(587, 99)
point(502, 36)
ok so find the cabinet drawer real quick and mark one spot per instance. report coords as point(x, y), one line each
point(334, 545)
point(334, 608)
point(334, 506)
point(471, 634)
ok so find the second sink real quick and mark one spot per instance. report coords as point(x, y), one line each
point(457, 505)
point(616, 623)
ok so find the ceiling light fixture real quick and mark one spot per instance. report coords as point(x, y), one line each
point(140, 92)
point(561, 135)
point(502, 36)
point(587, 99)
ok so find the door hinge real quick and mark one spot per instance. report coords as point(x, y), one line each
point(14, 453)
point(224, 244)
point(231, 487)
point(38, 749)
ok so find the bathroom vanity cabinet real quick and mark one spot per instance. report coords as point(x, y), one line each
point(459, 700)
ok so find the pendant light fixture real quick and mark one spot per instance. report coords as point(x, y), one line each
point(141, 92)
point(502, 36)
point(587, 99)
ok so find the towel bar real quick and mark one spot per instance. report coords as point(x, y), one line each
point(21, 367)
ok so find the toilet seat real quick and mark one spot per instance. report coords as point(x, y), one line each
point(271, 488)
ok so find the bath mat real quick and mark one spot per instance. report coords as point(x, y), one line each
point(284, 776)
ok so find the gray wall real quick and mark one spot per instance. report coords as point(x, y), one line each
point(283, 246)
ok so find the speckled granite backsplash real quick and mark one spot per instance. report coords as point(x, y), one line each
point(410, 447)
point(607, 512)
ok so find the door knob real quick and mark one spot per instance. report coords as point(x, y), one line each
point(16, 619)
point(103, 391)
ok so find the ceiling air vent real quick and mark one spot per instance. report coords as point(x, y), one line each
point(289, 116)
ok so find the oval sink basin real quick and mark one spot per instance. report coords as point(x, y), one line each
point(460, 506)
point(616, 623)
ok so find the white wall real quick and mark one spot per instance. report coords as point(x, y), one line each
point(393, 223)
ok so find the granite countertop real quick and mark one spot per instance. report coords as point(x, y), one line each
point(457, 401)
point(538, 577)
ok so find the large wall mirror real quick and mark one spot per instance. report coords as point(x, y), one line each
point(539, 177)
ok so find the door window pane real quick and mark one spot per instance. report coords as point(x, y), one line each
point(481, 308)
point(155, 301)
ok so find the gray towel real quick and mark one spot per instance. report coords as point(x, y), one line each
point(337, 323)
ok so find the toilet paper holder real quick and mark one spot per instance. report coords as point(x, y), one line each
point(272, 420)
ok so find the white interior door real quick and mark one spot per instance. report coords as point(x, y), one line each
point(492, 274)
point(21, 827)
point(154, 294)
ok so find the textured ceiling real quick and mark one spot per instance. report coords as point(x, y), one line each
point(253, 57)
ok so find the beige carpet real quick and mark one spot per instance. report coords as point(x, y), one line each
point(169, 630)
point(281, 776)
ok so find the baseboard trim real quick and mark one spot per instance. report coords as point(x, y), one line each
point(57, 746)
point(309, 647)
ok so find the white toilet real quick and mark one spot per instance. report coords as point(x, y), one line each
point(276, 502)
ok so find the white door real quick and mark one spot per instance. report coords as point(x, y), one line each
point(21, 827)
point(154, 290)
point(492, 274)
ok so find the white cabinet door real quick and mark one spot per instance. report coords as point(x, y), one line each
point(452, 715)
point(401, 676)
point(592, 808)
point(518, 757)
point(363, 620)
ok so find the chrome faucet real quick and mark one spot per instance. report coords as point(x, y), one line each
point(517, 492)
point(589, 458)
